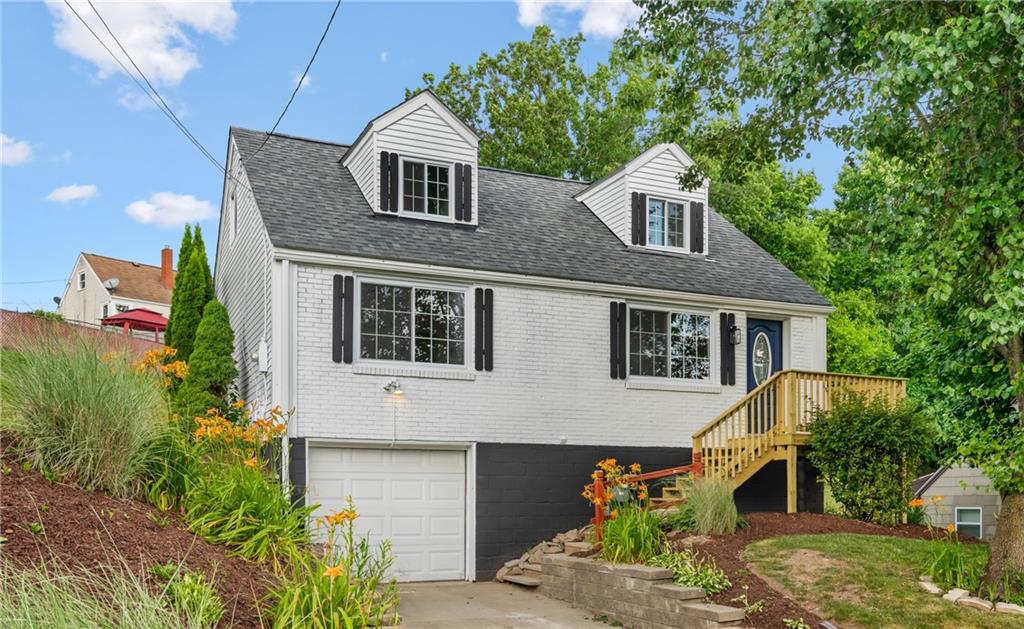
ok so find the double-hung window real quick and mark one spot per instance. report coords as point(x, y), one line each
point(426, 188)
point(670, 344)
point(666, 223)
point(968, 520)
point(81, 280)
point(413, 324)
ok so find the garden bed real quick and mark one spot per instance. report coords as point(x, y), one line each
point(727, 551)
point(90, 528)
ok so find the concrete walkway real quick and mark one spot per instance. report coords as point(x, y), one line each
point(485, 605)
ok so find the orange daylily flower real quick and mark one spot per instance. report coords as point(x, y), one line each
point(251, 462)
point(916, 502)
point(333, 571)
point(950, 528)
point(634, 468)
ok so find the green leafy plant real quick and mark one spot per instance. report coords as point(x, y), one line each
point(868, 451)
point(632, 534)
point(191, 595)
point(245, 509)
point(345, 587)
point(35, 528)
point(161, 521)
point(710, 509)
point(795, 623)
point(950, 566)
point(82, 414)
point(693, 571)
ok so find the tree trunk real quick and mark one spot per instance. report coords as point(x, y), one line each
point(1007, 549)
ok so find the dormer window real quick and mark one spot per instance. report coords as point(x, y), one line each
point(426, 188)
point(666, 223)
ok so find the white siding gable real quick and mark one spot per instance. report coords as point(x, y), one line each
point(420, 128)
point(655, 173)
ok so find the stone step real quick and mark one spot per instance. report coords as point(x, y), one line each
point(533, 567)
point(522, 579)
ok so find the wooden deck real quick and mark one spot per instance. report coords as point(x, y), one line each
point(771, 423)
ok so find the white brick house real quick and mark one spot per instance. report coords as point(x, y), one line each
point(523, 326)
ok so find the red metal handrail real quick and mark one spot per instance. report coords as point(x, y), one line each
point(600, 487)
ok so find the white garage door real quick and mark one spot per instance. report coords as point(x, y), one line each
point(415, 498)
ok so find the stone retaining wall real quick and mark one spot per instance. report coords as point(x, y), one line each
point(641, 597)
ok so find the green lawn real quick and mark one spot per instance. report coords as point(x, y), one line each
point(864, 580)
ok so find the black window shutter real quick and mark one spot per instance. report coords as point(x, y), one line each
point(467, 193)
point(642, 220)
point(635, 214)
point(385, 186)
point(393, 183)
point(617, 340)
point(697, 227)
point(728, 359)
point(341, 319)
point(478, 329)
point(489, 329)
point(457, 176)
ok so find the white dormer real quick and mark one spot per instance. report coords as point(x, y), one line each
point(643, 205)
point(418, 160)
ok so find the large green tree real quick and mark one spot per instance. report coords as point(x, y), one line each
point(190, 288)
point(184, 252)
point(537, 110)
point(939, 86)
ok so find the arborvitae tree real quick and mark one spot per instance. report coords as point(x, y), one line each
point(184, 251)
point(212, 366)
point(199, 246)
point(187, 310)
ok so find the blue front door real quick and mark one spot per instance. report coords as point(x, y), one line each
point(764, 350)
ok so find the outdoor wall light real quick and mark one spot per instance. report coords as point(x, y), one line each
point(734, 335)
point(394, 387)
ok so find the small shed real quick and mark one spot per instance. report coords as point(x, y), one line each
point(960, 495)
point(138, 320)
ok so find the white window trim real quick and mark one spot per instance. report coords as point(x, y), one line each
point(980, 523)
point(467, 325)
point(80, 283)
point(423, 216)
point(683, 384)
point(686, 222)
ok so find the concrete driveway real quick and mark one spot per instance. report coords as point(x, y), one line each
point(485, 605)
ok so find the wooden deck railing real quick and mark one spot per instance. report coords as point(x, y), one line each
point(776, 413)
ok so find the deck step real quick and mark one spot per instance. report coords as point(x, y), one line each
point(522, 579)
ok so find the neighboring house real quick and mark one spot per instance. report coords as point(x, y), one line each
point(962, 496)
point(101, 286)
point(461, 344)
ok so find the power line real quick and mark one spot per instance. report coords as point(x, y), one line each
point(167, 107)
point(34, 282)
point(298, 85)
point(160, 104)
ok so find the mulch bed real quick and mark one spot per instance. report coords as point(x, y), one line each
point(87, 528)
point(727, 552)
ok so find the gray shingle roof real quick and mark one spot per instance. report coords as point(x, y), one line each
point(528, 225)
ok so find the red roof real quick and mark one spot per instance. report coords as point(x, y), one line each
point(137, 318)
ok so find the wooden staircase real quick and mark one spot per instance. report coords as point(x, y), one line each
point(768, 424)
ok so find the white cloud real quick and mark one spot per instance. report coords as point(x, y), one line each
point(14, 152)
point(600, 18)
point(74, 192)
point(305, 80)
point(167, 209)
point(383, 56)
point(153, 32)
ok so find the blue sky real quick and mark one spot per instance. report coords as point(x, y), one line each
point(87, 166)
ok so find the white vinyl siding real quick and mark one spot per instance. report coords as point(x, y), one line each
point(243, 284)
point(610, 203)
point(364, 164)
point(424, 135)
point(659, 179)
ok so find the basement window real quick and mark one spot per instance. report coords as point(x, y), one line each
point(968, 521)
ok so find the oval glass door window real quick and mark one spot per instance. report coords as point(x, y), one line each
point(762, 358)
